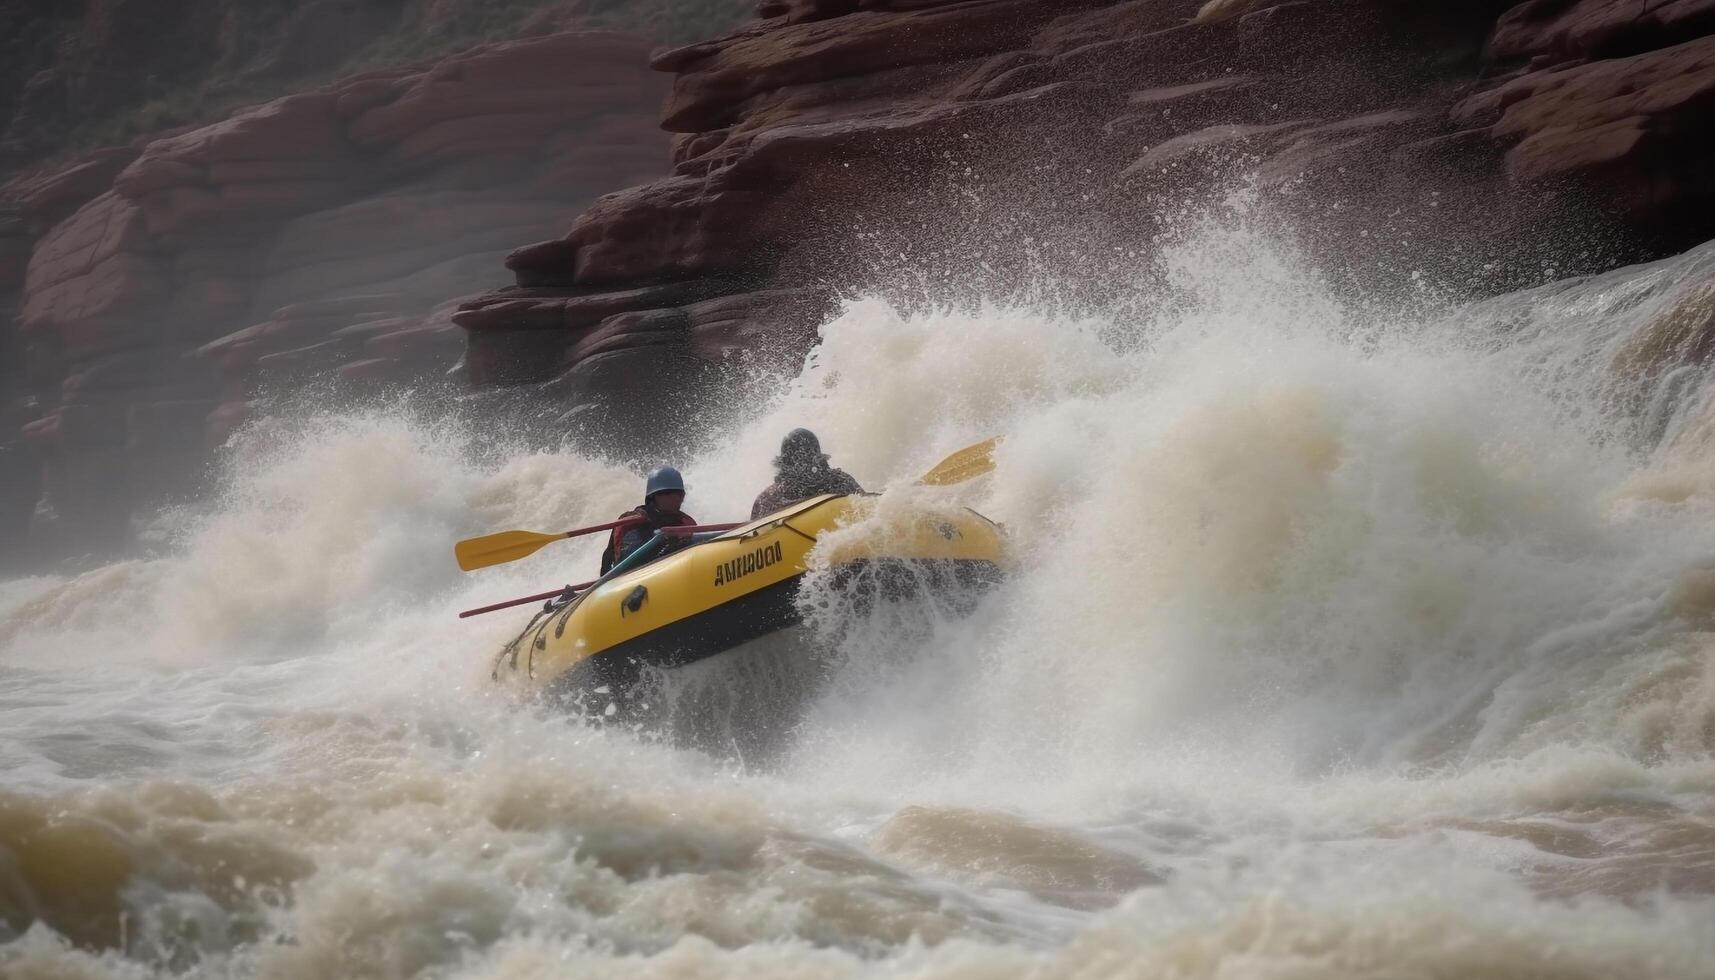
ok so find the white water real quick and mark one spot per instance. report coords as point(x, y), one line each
point(1339, 647)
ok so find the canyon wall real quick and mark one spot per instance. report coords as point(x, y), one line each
point(336, 241)
point(834, 144)
point(149, 293)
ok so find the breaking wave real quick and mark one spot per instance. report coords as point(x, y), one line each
point(1339, 645)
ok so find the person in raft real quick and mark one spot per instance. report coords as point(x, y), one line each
point(663, 495)
point(801, 471)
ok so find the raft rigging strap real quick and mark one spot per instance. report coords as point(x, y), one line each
point(561, 601)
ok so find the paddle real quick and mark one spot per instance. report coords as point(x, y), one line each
point(508, 604)
point(966, 464)
point(498, 549)
point(505, 546)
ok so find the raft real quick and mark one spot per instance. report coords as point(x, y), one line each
point(727, 590)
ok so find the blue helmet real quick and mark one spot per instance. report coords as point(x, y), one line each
point(661, 479)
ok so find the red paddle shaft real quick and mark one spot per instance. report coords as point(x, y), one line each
point(635, 521)
point(543, 597)
point(700, 528)
point(508, 604)
point(610, 525)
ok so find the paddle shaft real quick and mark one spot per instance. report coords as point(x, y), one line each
point(635, 521)
point(630, 521)
point(507, 546)
point(508, 604)
point(700, 528)
point(543, 597)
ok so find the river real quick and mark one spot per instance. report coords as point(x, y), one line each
point(1342, 643)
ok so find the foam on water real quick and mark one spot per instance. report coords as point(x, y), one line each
point(1338, 646)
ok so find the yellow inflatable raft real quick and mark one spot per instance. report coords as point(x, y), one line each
point(728, 589)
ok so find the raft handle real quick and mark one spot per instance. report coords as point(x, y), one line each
point(634, 601)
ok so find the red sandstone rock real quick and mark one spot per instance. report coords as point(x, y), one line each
point(798, 11)
point(549, 263)
point(360, 95)
point(776, 325)
point(1640, 122)
point(638, 328)
point(673, 228)
point(512, 308)
point(525, 87)
point(715, 80)
point(218, 221)
point(401, 232)
point(1565, 30)
point(838, 115)
point(50, 195)
point(291, 328)
point(413, 182)
point(297, 127)
point(92, 277)
point(840, 126)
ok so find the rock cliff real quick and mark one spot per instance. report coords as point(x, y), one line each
point(822, 148)
point(1483, 146)
point(150, 292)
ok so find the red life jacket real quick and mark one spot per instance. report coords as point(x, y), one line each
point(616, 537)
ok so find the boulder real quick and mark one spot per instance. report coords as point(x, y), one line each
point(48, 196)
point(837, 141)
point(1556, 31)
point(1638, 124)
point(96, 281)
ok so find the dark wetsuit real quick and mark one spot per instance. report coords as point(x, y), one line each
point(801, 483)
point(623, 541)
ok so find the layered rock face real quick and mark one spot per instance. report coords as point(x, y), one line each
point(1485, 145)
point(823, 148)
point(149, 293)
point(103, 71)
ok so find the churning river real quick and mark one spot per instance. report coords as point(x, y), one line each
point(1341, 643)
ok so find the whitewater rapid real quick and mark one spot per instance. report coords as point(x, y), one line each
point(1341, 644)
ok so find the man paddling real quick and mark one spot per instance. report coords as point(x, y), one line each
point(801, 471)
point(663, 495)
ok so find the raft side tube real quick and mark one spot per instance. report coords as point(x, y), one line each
point(743, 584)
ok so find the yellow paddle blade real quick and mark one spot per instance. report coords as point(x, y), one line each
point(966, 464)
point(498, 549)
